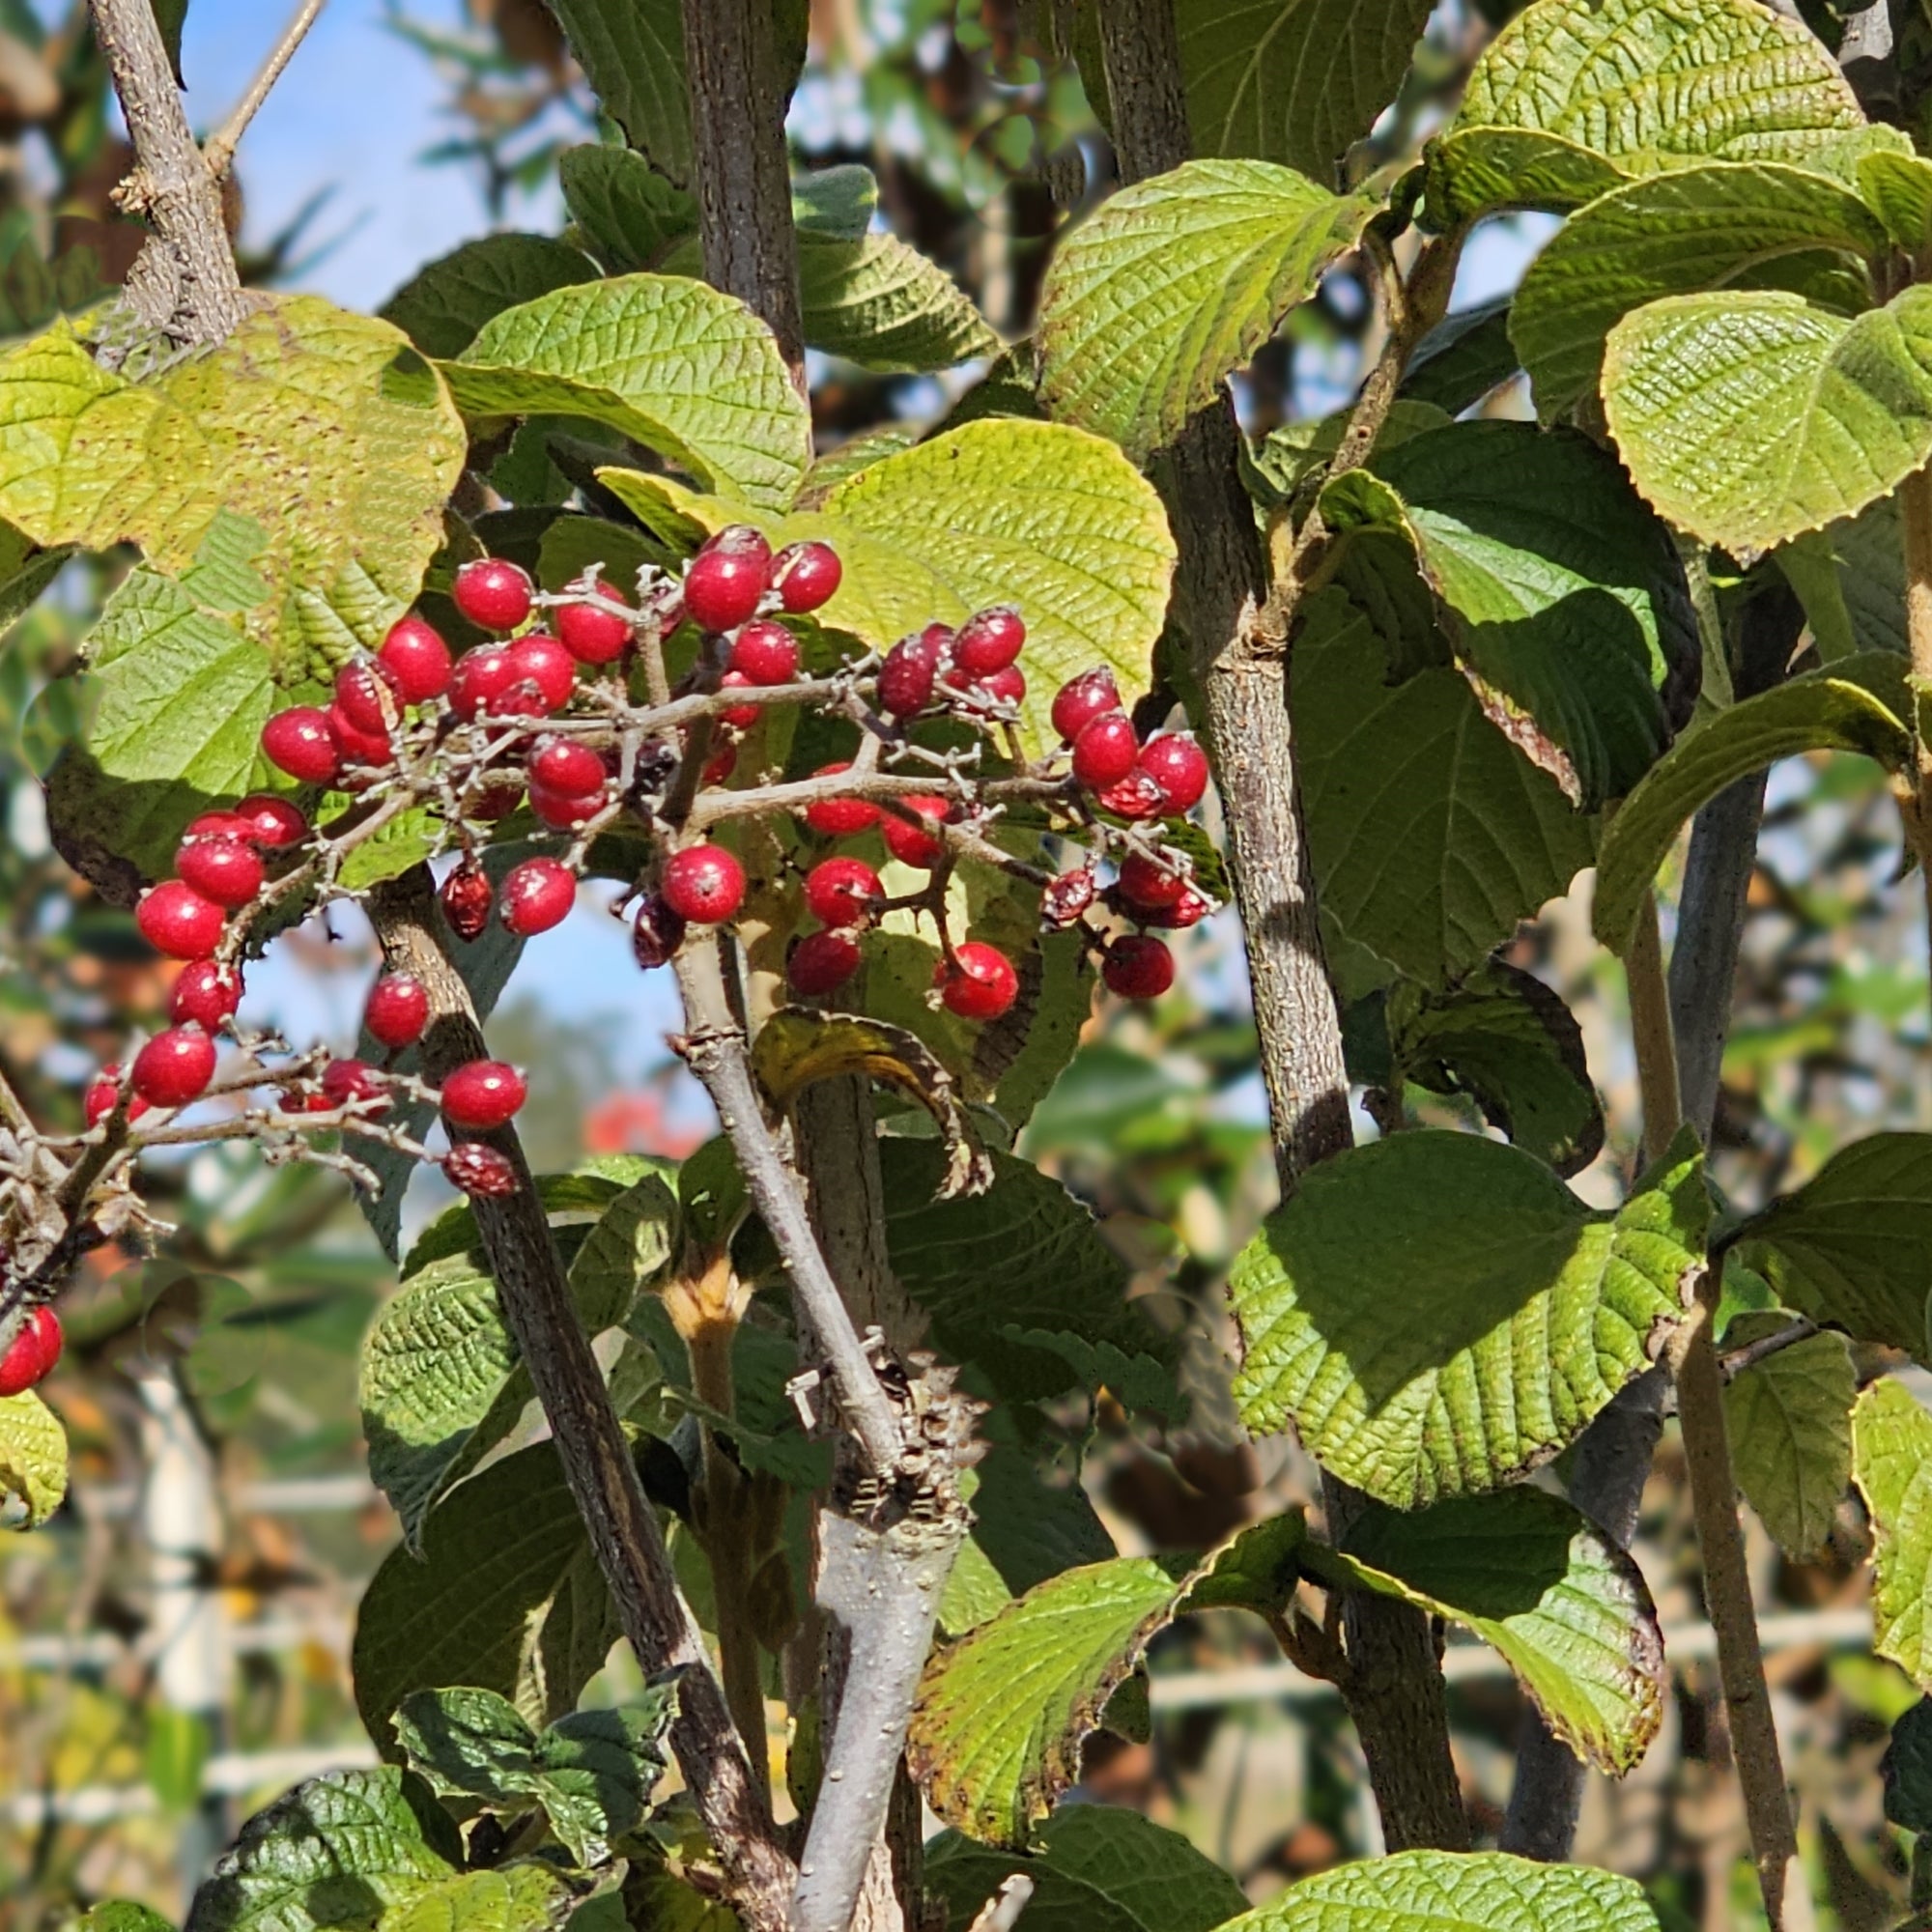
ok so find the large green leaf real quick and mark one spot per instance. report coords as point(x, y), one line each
point(1790, 1422)
point(522, 1897)
point(1431, 835)
point(1455, 1892)
point(1704, 228)
point(1563, 595)
point(1850, 577)
point(33, 1460)
point(1522, 1311)
point(1531, 1576)
point(326, 430)
point(1750, 417)
point(627, 214)
point(1096, 1869)
point(688, 371)
point(1898, 188)
point(1814, 713)
point(445, 303)
point(1173, 283)
point(1891, 1462)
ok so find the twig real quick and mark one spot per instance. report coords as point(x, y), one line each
point(1650, 1033)
point(219, 148)
point(1001, 1912)
point(1733, 1362)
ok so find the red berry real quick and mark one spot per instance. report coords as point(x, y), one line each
point(765, 652)
point(1149, 886)
point(493, 593)
point(481, 1094)
point(176, 920)
point(32, 1353)
point(357, 747)
point(1082, 699)
point(724, 762)
point(205, 995)
point(1138, 795)
point(300, 742)
point(1002, 687)
point(1106, 751)
point(989, 642)
point(978, 982)
point(593, 636)
point(1066, 897)
point(222, 869)
point(656, 933)
point(564, 813)
point(346, 1080)
point(466, 896)
point(1138, 968)
point(103, 1091)
point(839, 892)
point(913, 844)
point(397, 1010)
point(840, 817)
point(738, 717)
point(906, 677)
point(496, 801)
point(536, 896)
point(219, 825)
point(728, 577)
point(1178, 766)
point(563, 765)
point(541, 660)
point(480, 1170)
point(174, 1068)
point(271, 821)
point(807, 574)
point(480, 679)
point(705, 884)
point(416, 659)
point(822, 961)
point(1189, 909)
point(365, 696)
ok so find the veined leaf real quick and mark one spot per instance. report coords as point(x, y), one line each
point(1850, 577)
point(1891, 1462)
point(626, 212)
point(441, 307)
point(1898, 189)
point(33, 1460)
point(1790, 1422)
point(513, 1898)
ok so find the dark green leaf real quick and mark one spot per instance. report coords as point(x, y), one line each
point(1907, 1770)
point(627, 214)
point(442, 308)
point(1790, 1423)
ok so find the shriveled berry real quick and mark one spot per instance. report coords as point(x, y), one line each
point(103, 1091)
point(807, 574)
point(397, 1010)
point(564, 765)
point(913, 844)
point(481, 679)
point(346, 1080)
point(1179, 767)
point(300, 742)
point(1149, 886)
point(591, 636)
point(821, 962)
point(738, 717)
point(33, 1351)
point(1138, 795)
point(537, 894)
point(493, 593)
point(840, 817)
point(978, 982)
point(764, 652)
point(273, 822)
point(205, 995)
point(1066, 897)
point(703, 884)
point(174, 1068)
point(839, 892)
point(1138, 968)
point(466, 896)
point(1082, 699)
point(365, 696)
point(989, 640)
point(358, 747)
point(728, 577)
point(176, 920)
point(656, 933)
point(416, 659)
point(222, 869)
point(1106, 751)
point(564, 813)
point(1189, 909)
point(539, 660)
point(497, 800)
point(907, 675)
point(477, 1169)
point(481, 1094)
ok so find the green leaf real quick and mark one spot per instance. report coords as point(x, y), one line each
point(1898, 189)
point(1462, 358)
point(344, 1850)
point(1431, 835)
point(1097, 1868)
point(1173, 283)
point(33, 1460)
point(1455, 1892)
point(624, 1253)
point(1747, 418)
point(1471, 172)
point(1853, 1246)
point(1907, 1770)
point(1538, 1310)
point(1672, 235)
point(1891, 1464)
point(1533, 1577)
point(1850, 577)
point(516, 1898)
point(626, 212)
point(1563, 596)
point(879, 303)
point(688, 371)
point(1790, 1422)
point(1295, 452)
point(1813, 713)
point(444, 305)
point(837, 202)
point(123, 1914)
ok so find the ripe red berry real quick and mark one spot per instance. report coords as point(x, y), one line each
point(176, 920)
point(1138, 795)
point(536, 896)
point(220, 825)
point(840, 817)
point(205, 995)
point(397, 1010)
point(1007, 686)
point(738, 717)
point(1106, 751)
point(914, 844)
point(764, 652)
point(656, 933)
point(564, 765)
point(728, 577)
point(988, 641)
point(416, 659)
point(821, 962)
point(703, 884)
point(1178, 766)
point(807, 574)
point(724, 762)
point(222, 869)
point(174, 1068)
point(346, 1080)
point(1066, 897)
point(33, 1351)
point(839, 892)
point(103, 1091)
point(273, 822)
point(357, 747)
point(1189, 909)
point(593, 636)
point(480, 679)
point(480, 1170)
point(300, 742)
point(1149, 886)
point(466, 896)
point(906, 677)
point(562, 812)
point(541, 660)
point(481, 1094)
point(1082, 699)
point(493, 593)
point(365, 696)
point(978, 982)
point(1138, 968)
